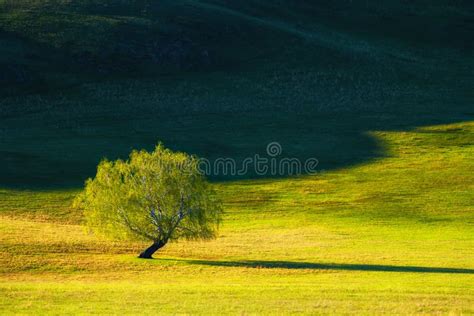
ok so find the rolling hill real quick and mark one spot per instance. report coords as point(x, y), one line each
point(89, 79)
point(379, 92)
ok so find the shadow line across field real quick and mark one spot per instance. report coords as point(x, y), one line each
point(329, 266)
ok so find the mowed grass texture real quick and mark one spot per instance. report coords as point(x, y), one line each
point(393, 235)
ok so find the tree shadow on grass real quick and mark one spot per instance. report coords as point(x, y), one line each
point(329, 266)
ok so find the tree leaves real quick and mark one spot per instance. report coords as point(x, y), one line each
point(159, 195)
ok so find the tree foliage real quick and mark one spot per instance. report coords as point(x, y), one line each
point(158, 196)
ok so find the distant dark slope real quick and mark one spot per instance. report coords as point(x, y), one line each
point(82, 80)
point(50, 42)
point(83, 38)
point(445, 23)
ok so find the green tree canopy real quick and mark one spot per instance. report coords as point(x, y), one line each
point(157, 196)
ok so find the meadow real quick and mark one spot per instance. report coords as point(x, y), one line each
point(391, 236)
point(380, 93)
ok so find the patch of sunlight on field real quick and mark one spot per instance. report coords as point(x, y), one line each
point(394, 235)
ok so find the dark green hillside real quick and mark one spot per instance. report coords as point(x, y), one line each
point(81, 80)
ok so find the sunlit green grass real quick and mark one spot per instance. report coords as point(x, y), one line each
point(387, 228)
point(394, 235)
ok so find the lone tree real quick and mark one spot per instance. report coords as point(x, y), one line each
point(158, 196)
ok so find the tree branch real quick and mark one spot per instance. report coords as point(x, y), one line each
point(134, 229)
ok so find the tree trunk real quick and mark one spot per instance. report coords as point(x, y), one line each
point(148, 253)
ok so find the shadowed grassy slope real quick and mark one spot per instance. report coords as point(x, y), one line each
point(387, 228)
point(390, 236)
point(92, 79)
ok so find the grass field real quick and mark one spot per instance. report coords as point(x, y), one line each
point(380, 92)
point(394, 235)
point(316, 78)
